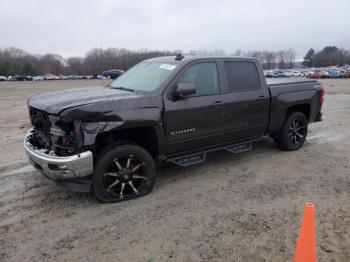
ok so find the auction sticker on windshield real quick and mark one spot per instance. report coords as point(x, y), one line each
point(167, 66)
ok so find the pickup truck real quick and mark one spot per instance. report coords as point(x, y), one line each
point(107, 140)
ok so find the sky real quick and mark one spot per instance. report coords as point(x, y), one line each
point(72, 27)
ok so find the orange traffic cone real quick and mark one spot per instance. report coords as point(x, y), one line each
point(306, 246)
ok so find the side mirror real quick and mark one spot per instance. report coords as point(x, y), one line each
point(184, 89)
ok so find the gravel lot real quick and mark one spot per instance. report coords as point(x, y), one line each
point(244, 207)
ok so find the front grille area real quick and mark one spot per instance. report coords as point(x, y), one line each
point(41, 124)
point(52, 133)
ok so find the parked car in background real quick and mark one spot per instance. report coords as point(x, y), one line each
point(87, 77)
point(270, 74)
point(282, 74)
point(51, 77)
point(22, 78)
point(334, 73)
point(296, 73)
point(3, 78)
point(344, 74)
point(28, 78)
point(307, 73)
point(314, 75)
point(100, 77)
point(72, 77)
point(113, 73)
point(63, 77)
point(38, 78)
point(324, 74)
point(18, 78)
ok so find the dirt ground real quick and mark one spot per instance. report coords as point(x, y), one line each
point(243, 207)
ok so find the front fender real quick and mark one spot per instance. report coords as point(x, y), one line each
point(112, 115)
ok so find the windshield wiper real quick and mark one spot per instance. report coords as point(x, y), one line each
point(122, 88)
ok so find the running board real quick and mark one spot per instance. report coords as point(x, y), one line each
point(197, 158)
point(189, 160)
point(239, 148)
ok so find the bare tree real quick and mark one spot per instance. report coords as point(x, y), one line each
point(258, 55)
point(281, 59)
point(269, 59)
point(291, 55)
point(75, 65)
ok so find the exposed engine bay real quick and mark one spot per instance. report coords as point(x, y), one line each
point(54, 133)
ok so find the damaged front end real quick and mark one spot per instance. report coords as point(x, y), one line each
point(54, 147)
point(65, 136)
point(59, 135)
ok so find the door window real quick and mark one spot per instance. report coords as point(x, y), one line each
point(204, 76)
point(241, 76)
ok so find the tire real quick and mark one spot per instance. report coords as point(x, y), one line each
point(122, 173)
point(293, 133)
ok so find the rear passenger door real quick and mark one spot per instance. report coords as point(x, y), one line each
point(247, 100)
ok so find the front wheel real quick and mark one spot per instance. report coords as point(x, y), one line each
point(123, 173)
point(293, 132)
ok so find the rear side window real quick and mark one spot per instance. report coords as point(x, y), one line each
point(241, 76)
point(204, 76)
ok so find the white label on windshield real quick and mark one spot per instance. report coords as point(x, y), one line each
point(167, 66)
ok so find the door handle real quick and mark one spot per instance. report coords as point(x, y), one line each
point(261, 98)
point(217, 103)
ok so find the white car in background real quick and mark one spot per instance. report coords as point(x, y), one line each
point(3, 78)
point(296, 73)
point(51, 77)
point(38, 78)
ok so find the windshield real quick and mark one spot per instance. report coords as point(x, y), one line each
point(146, 76)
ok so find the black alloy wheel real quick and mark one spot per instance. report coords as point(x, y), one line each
point(297, 132)
point(123, 173)
point(293, 133)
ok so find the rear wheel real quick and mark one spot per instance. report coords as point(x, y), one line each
point(293, 133)
point(123, 173)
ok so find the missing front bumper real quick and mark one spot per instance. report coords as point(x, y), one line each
point(57, 167)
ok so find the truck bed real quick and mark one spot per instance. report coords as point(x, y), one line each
point(285, 94)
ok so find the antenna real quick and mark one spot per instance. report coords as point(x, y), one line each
point(179, 57)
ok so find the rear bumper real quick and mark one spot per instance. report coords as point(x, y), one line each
point(57, 167)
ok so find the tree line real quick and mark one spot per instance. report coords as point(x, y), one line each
point(282, 59)
point(328, 56)
point(15, 61)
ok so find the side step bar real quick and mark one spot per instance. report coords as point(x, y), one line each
point(189, 160)
point(197, 158)
point(239, 148)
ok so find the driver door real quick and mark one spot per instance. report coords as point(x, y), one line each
point(198, 120)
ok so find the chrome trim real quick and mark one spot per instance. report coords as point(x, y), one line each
point(58, 167)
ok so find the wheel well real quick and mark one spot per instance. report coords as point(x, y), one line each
point(143, 136)
point(303, 108)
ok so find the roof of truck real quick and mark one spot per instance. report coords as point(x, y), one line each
point(188, 58)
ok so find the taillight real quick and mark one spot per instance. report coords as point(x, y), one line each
point(322, 96)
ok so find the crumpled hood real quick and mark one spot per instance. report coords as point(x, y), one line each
point(55, 102)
